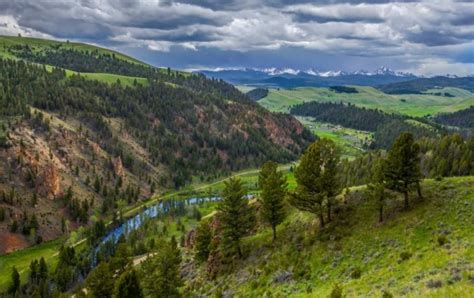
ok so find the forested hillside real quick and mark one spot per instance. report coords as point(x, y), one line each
point(385, 127)
point(72, 146)
point(418, 86)
point(313, 230)
point(462, 118)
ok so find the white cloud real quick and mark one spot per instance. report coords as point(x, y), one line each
point(438, 66)
point(10, 26)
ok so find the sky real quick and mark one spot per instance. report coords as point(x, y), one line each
point(423, 37)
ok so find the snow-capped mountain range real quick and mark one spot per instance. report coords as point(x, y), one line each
point(290, 77)
point(275, 71)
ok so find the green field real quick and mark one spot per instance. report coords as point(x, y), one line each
point(21, 260)
point(109, 78)
point(281, 100)
point(349, 140)
point(402, 256)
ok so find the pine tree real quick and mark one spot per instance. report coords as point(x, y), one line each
point(329, 179)
point(273, 185)
point(377, 187)
point(15, 285)
point(203, 241)
point(236, 216)
point(128, 285)
point(403, 166)
point(161, 272)
point(316, 178)
point(100, 281)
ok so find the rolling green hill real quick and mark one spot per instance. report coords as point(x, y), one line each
point(9, 46)
point(38, 44)
point(281, 100)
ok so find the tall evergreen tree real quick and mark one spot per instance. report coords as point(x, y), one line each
point(203, 241)
point(403, 166)
point(15, 285)
point(236, 216)
point(128, 285)
point(100, 281)
point(161, 272)
point(316, 178)
point(273, 185)
point(377, 187)
point(329, 178)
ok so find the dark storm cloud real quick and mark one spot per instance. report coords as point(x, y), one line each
point(306, 17)
point(435, 38)
point(245, 4)
point(417, 32)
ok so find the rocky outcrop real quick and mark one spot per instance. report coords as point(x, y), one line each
point(48, 183)
point(118, 166)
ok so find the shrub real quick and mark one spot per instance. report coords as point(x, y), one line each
point(442, 240)
point(405, 256)
point(336, 291)
point(386, 294)
point(356, 273)
point(434, 284)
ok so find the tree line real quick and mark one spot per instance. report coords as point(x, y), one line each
point(386, 127)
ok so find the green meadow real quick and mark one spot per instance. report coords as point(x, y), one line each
point(281, 100)
point(21, 260)
point(350, 141)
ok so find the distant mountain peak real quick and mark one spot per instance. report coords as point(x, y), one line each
point(278, 71)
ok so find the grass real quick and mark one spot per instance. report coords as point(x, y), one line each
point(111, 78)
point(37, 43)
point(350, 141)
point(21, 260)
point(281, 100)
point(402, 255)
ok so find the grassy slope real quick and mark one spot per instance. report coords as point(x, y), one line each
point(415, 105)
point(7, 41)
point(41, 43)
point(318, 261)
point(21, 260)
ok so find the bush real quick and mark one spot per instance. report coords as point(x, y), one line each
point(405, 256)
point(432, 284)
point(386, 294)
point(442, 240)
point(356, 273)
point(336, 291)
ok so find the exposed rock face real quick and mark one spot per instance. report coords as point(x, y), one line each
point(48, 183)
point(276, 135)
point(118, 166)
